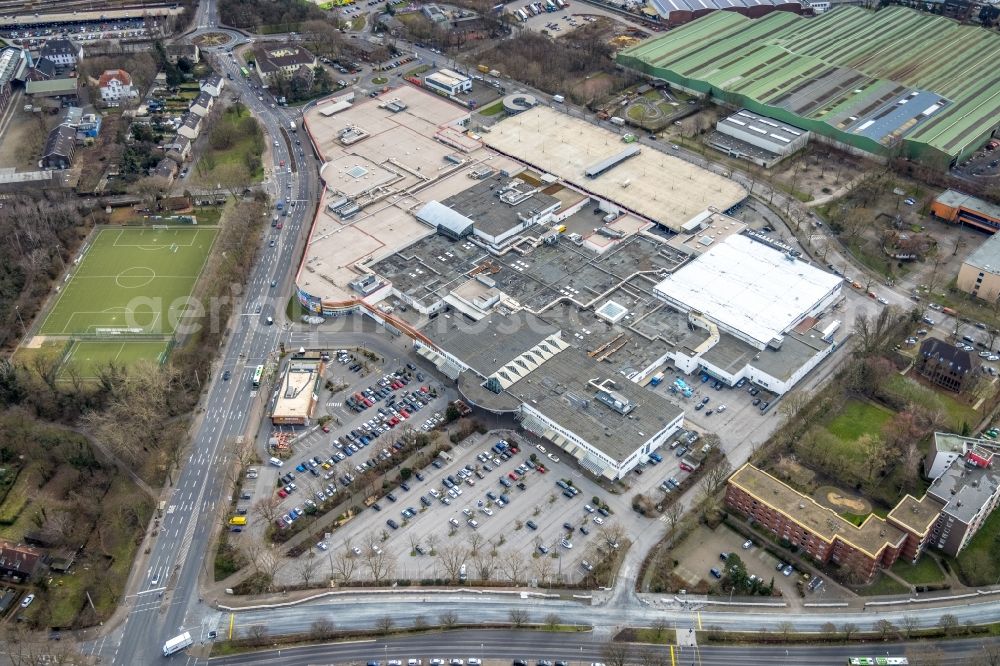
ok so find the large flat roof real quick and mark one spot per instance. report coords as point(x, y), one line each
point(490, 214)
point(561, 387)
point(403, 155)
point(658, 186)
point(965, 490)
point(749, 287)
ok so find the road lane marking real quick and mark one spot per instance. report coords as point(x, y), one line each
point(673, 657)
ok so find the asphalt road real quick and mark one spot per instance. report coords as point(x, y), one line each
point(579, 648)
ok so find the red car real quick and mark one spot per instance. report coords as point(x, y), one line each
point(405, 414)
point(541, 469)
point(326, 427)
point(282, 494)
point(512, 476)
point(281, 163)
point(514, 449)
point(686, 467)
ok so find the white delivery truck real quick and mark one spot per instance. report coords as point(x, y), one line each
point(615, 120)
point(558, 98)
point(177, 643)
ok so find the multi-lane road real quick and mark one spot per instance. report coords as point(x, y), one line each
point(165, 585)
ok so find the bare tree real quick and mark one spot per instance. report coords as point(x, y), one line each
point(910, 624)
point(518, 617)
point(306, 569)
point(321, 629)
point(381, 564)
point(257, 633)
point(552, 620)
point(948, 624)
point(673, 513)
point(384, 624)
point(452, 557)
point(343, 565)
point(785, 628)
point(715, 477)
point(884, 628)
point(829, 629)
point(612, 532)
point(513, 566)
point(475, 540)
point(659, 627)
point(849, 629)
point(542, 568)
point(615, 654)
point(448, 619)
point(267, 509)
point(485, 563)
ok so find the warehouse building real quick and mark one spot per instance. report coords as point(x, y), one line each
point(679, 12)
point(871, 82)
point(518, 364)
point(448, 81)
point(758, 139)
point(958, 208)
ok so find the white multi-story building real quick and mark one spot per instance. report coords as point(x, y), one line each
point(448, 81)
point(116, 85)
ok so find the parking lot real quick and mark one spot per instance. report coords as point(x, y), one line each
point(702, 551)
point(84, 32)
point(326, 460)
point(460, 510)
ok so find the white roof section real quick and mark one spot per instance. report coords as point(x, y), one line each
point(437, 215)
point(749, 287)
point(524, 363)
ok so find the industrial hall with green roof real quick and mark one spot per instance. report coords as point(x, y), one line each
point(894, 81)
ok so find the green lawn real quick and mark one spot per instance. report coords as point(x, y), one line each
point(858, 418)
point(131, 281)
point(492, 109)
point(933, 400)
point(87, 356)
point(979, 562)
point(925, 572)
point(213, 160)
point(883, 585)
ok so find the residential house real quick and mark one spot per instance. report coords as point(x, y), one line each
point(946, 365)
point(177, 51)
point(18, 561)
point(190, 126)
point(286, 60)
point(202, 104)
point(165, 169)
point(43, 70)
point(60, 148)
point(116, 86)
point(62, 52)
point(213, 85)
point(823, 534)
point(179, 149)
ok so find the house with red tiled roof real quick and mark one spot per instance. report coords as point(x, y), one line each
point(116, 85)
point(19, 561)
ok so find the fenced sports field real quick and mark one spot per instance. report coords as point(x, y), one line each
point(126, 296)
point(130, 281)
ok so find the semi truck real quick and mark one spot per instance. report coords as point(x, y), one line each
point(177, 643)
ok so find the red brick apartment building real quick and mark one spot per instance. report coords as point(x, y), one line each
point(824, 535)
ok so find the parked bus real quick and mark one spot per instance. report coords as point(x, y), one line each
point(878, 661)
point(258, 373)
point(244, 72)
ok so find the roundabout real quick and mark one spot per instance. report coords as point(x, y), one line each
point(212, 39)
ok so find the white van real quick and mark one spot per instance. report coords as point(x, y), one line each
point(277, 462)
